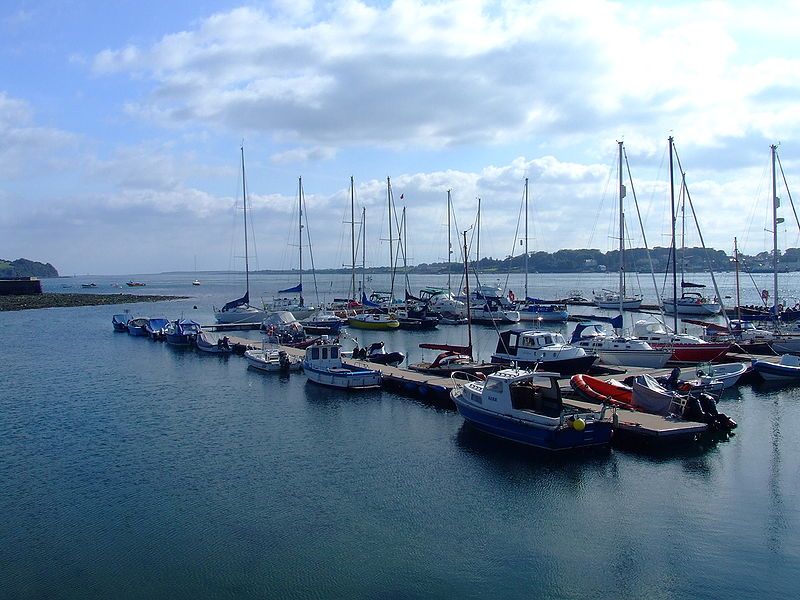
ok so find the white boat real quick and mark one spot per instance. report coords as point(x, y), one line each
point(726, 373)
point(441, 302)
point(196, 282)
point(491, 312)
point(323, 365)
point(610, 300)
point(685, 347)
point(526, 407)
point(213, 343)
point(239, 310)
point(691, 303)
point(617, 350)
point(272, 360)
point(542, 349)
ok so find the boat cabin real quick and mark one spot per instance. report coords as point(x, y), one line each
point(512, 390)
point(324, 356)
point(515, 341)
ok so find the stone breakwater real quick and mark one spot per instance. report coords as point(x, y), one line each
point(67, 300)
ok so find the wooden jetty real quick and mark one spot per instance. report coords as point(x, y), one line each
point(628, 423)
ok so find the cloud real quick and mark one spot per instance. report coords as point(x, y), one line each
point(303, 155)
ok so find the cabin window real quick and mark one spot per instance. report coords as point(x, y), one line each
point(334, 353)
point(548, 340)
point(493, 387)
point(324, 353)
point(315, 354)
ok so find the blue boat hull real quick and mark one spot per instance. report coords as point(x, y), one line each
point(137, 331)
point(595, 433)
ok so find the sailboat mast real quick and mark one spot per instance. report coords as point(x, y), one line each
point(466, 279)
point(352, 237)
point(526, 239)
point(621, 235)
point(478, 246)
point(674, 254)
point(775, 203)
point(449, 243)
point(389, 204)
point(300, 229)
point(363, 250)
point(246, 257)
point(736, 266)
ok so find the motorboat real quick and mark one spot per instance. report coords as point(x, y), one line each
point(137, 326)
point(534, 309)
point(492, 312)
point(685, 348)
point(135, 284)
point(651, 397)
point(323, 323)
point(323, 365)
point(196, 282)
point(610, 300)
point(281, 327)
point(440, 302)
point(545, 349)
point(787, 369)
point(728, 374)
point(376, 352)
point(156, 327)
point(89, 285)
point(616, 349)
point(182, 332)
point(272, 360)
point(213, 343)
point(120, 322)
point(526, 407)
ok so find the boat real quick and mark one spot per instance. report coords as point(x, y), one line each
point(787, 369)
point(323, 365)
point(240, 311)
point(323, 323)
point(452, 360)
point(728, 374)
point(137, 327)
point(617, 350)
point(534, 309)
point(441, 302)
point(543, 349)
point(196, 282)
point(156, 327)
point(272, 360)
point(374, 321)
point(88, 285)
point(281, 327)
point(135, 284)
point(602, 391)
point(120, 322)
point(213, 343)
point(692, 303)
point(182, 332)
point(526, 407)
point(493, 312)
point(376, 352)
point(650, 396)
point(685, 348)
point(610, 300)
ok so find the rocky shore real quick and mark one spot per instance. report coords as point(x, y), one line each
point(66, 300)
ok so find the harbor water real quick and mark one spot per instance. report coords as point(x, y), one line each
point(132, 469)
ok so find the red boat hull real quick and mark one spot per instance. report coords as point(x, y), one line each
point(694, 353)
point(597, 390)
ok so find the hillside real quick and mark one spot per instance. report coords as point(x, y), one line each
point(22, 267)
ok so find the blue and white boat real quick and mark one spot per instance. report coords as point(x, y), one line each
point(137, 326)
point(323, 365)
point(788, 369)
point(120, 322)
point(182, 332)
point(526, 407)
point(535, 310)
point(541, 349)
point(323, 323)
point(156, 327)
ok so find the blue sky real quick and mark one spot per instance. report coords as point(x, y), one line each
point(120, 124)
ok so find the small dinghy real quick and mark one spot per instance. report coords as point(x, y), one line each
point(272, 360)
point(609, 391)
point(788, 369)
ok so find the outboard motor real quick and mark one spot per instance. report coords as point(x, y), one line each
point(283, 360)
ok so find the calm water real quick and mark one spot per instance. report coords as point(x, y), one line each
point(131, 469)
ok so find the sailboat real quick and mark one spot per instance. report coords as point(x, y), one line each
point(296, 306)
point(240, 311)
point(531, 309)
point(196, 280)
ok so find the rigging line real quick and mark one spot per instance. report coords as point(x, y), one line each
point(310, 249)
point(788, 193)
point(516, 237)
point(644, 235)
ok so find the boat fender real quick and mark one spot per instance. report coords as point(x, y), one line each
point(579, 424)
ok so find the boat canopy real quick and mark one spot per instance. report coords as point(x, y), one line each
point(367, 302)
point(298, 289)
point(243, 301)
point(278, 318)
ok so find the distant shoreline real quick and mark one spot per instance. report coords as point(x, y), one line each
point(53, 300)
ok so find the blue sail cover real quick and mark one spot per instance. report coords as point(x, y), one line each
point(298, 289)
point(244, 300)
point(367, 302)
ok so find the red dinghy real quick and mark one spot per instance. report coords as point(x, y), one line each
point(598, 390)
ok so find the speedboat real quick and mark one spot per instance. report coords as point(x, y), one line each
point(272, 360)
point(281, 327)
point(182, 332)
point(213, 343)
point(650, 396)
point(120, 322)
point(453, 359)
point(545, 349)
point(728, 374)
point(156, 327)
point(788, 369)
point(323, 365)
point(526, 407)
point(616, 349)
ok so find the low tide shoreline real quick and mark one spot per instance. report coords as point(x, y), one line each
point(50, 300)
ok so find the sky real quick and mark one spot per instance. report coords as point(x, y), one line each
point(122, 123)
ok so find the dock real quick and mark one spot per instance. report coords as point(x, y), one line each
point(627, 423)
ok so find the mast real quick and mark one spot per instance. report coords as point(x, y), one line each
point(352, 238)
point(363, 250)
point(526, 240)
point(466, 279)
point(621, 235)
point(391, 254)
point(449, 243)
point(736, 265)
point(674, 254)
point(775, 203)
point(246, 257)
point(300, 224)
point(478, 247)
